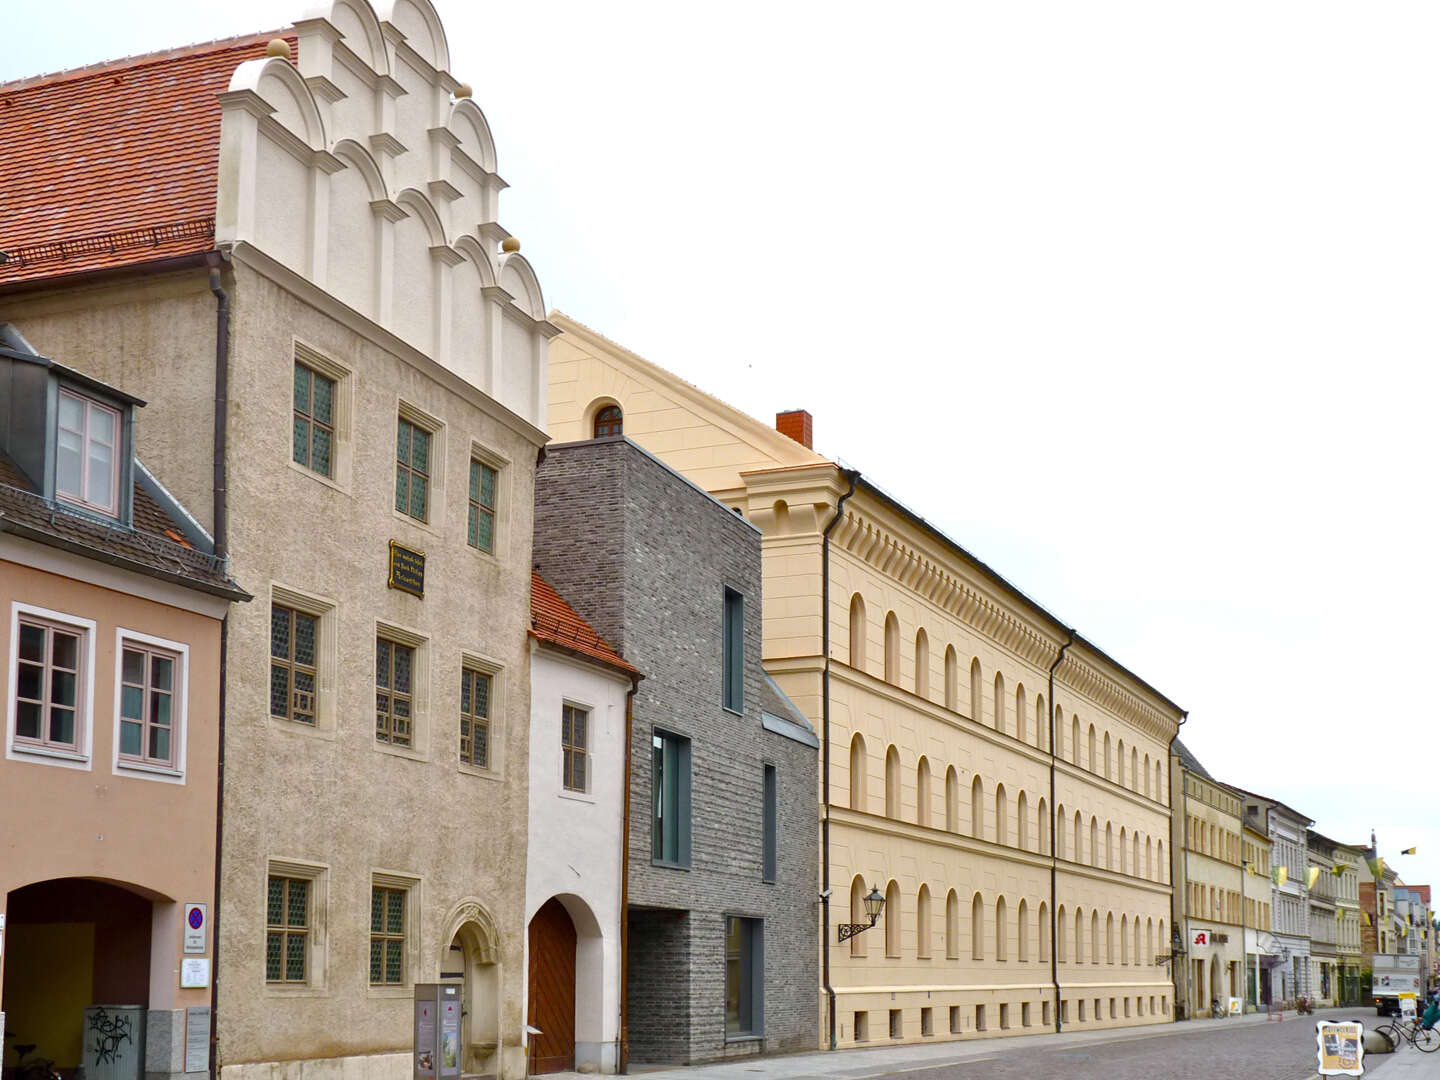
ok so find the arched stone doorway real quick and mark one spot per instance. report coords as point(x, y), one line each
point(552, 988)
point(71, 943)
point(471, 956)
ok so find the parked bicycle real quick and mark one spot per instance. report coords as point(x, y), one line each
point(1416, 1034)
point(35, 1068)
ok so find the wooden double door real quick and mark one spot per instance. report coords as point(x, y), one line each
point(552, 989)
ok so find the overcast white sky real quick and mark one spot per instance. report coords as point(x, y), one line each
point(1136, 300)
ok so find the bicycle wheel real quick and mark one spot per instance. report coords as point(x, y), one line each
point(1426, 1039)
point(1390, 1034)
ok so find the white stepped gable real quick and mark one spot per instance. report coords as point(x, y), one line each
point(357, 168)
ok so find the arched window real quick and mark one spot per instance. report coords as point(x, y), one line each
point(1042, 827)
point(1022, 822)
point(1124, 939)
point(1139, 956)
point(1042, 731)
point(922, 663)
point(892, 919)
point(952, 926)
point(952, 678)
point(1002, 930)
point(1120, 762)
point(857, 774)
point(999, 705)
point(1150, 942)
point(1162, 943)
point(1135, 861)
point(1079, 936)
point(1002, 817)
point(1079, 855)
point(1160, 872)
point(977, 928)
point(892, 649)
point(1075, 741)
point(857, 914)
point(1093, 761)
point(975, 689)
point(1107, 755)
point(1110, 938)
point(922, 923)
point(1150, 859)
point(857, 632)
point(1109, 847)
point(1062, 932)
point(1095, 936)
point(609, 421)
point(1147, 776)
point(1094, 842)
point(1060, 823)
point(1123, 852)
point(1022, 932)
point(1020, 711)
point(1044, 933)
point(1159, 787)
point(1059, 723)
point(1134, 768)
point(892, 783)
point(922, 792)
point(952, 800)
point(977, 810)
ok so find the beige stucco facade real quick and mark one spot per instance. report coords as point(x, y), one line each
point(940, 789)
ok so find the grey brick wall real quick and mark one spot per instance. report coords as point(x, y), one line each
point(645, 557)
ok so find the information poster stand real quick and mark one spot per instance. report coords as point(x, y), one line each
point(438, 1055)
point(1340, 1048)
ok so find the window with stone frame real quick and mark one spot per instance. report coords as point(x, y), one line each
point(480, 526)
point(48, 684)
point(287, 929)
point(574, 748)
point(475, 718)
point(412, 470)
point(313, 439)
point(387, 936)
point(394, 692)
point(294, 640)
point(149, 682)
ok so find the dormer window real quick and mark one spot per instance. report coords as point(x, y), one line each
point(87, 459)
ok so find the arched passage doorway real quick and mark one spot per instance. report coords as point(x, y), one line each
point(552, 988)
point(471, 954)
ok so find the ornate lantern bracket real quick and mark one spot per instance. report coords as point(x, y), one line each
point(874, 904)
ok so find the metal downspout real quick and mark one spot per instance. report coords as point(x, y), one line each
point(853, 476)
point(221, 550)
point(1050, 824)
point(622, 1056)
point(1185, 867)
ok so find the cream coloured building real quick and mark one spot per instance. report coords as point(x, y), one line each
point(1209, 876)
point(1255, 852)
point(1350, 861)
point(928, 676)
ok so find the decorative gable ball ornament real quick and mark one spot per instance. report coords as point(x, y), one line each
point(510, 245)
point(278, 47)
point(462, 92)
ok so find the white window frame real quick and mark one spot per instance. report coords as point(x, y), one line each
point(342, 445)
point(179, 715)
point(318, 874)
point(80, 758)
point(83, 499)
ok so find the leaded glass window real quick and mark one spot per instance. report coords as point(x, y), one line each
point(314, 436)
point(147, 704)
point(475, 718)
point(287, 929)
point(387, 936)
point(481, 532)
point(412, 470)
point(574, 742)
point(47, 685)
point(394, 692)
point(293, 640)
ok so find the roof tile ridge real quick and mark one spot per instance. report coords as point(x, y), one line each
point(30, 82)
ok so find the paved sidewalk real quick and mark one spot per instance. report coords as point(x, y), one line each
point(883, 1061)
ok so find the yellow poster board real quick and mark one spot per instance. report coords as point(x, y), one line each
point(1340, 1048)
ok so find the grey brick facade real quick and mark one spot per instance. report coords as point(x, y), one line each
point(645, 557)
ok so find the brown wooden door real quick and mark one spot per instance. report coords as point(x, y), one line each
point(552, 989)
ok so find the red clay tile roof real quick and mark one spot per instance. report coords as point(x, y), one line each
point(117, 162)
point(554, 621)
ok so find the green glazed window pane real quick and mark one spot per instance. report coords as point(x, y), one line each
point(467, 680)
point(32, 643)
point(302, 388)
point(62, 687)
point(274, 943)
point(420, 450)
point(162, 670)
point(300, 443)
point(304, 639)
point(280, 632)
point(402, 489)
point(279, 690)
point(129, 738)
point(132, 667)
point(472, 532)
point(27, 719)
point(299, 901)
point(395, 912)
point(62, 726)
point(160, 744)
point(487, 486)
point(132, 701)
point(404, 659)
point(377, 910)
point(377, 960)
point(323, 401)
point(275, 902)
point(394, 957)
point(295, 958)
point(402, 443)
point(382, 662)
point(419, 491)
point(320, 456)
point(475, 480)
point(481, 751)
point(484, 530)
point(482, 695)
point(160, 709)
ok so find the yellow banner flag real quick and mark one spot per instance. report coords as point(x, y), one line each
point(1279, 875)
point(1312, 875)
point(1367, 918)
point(1377, 867)
point(1408, 851)
point(1338, 870)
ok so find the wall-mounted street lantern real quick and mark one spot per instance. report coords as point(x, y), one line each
point(874, 904)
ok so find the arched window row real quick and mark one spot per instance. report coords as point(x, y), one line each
point(1130, 857)
point(1087, 747)
point(1130, 942)
point(995, 931)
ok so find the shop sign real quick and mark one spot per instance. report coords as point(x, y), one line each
point(1340, 1048)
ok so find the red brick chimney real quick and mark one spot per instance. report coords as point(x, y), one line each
point(796, 424)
